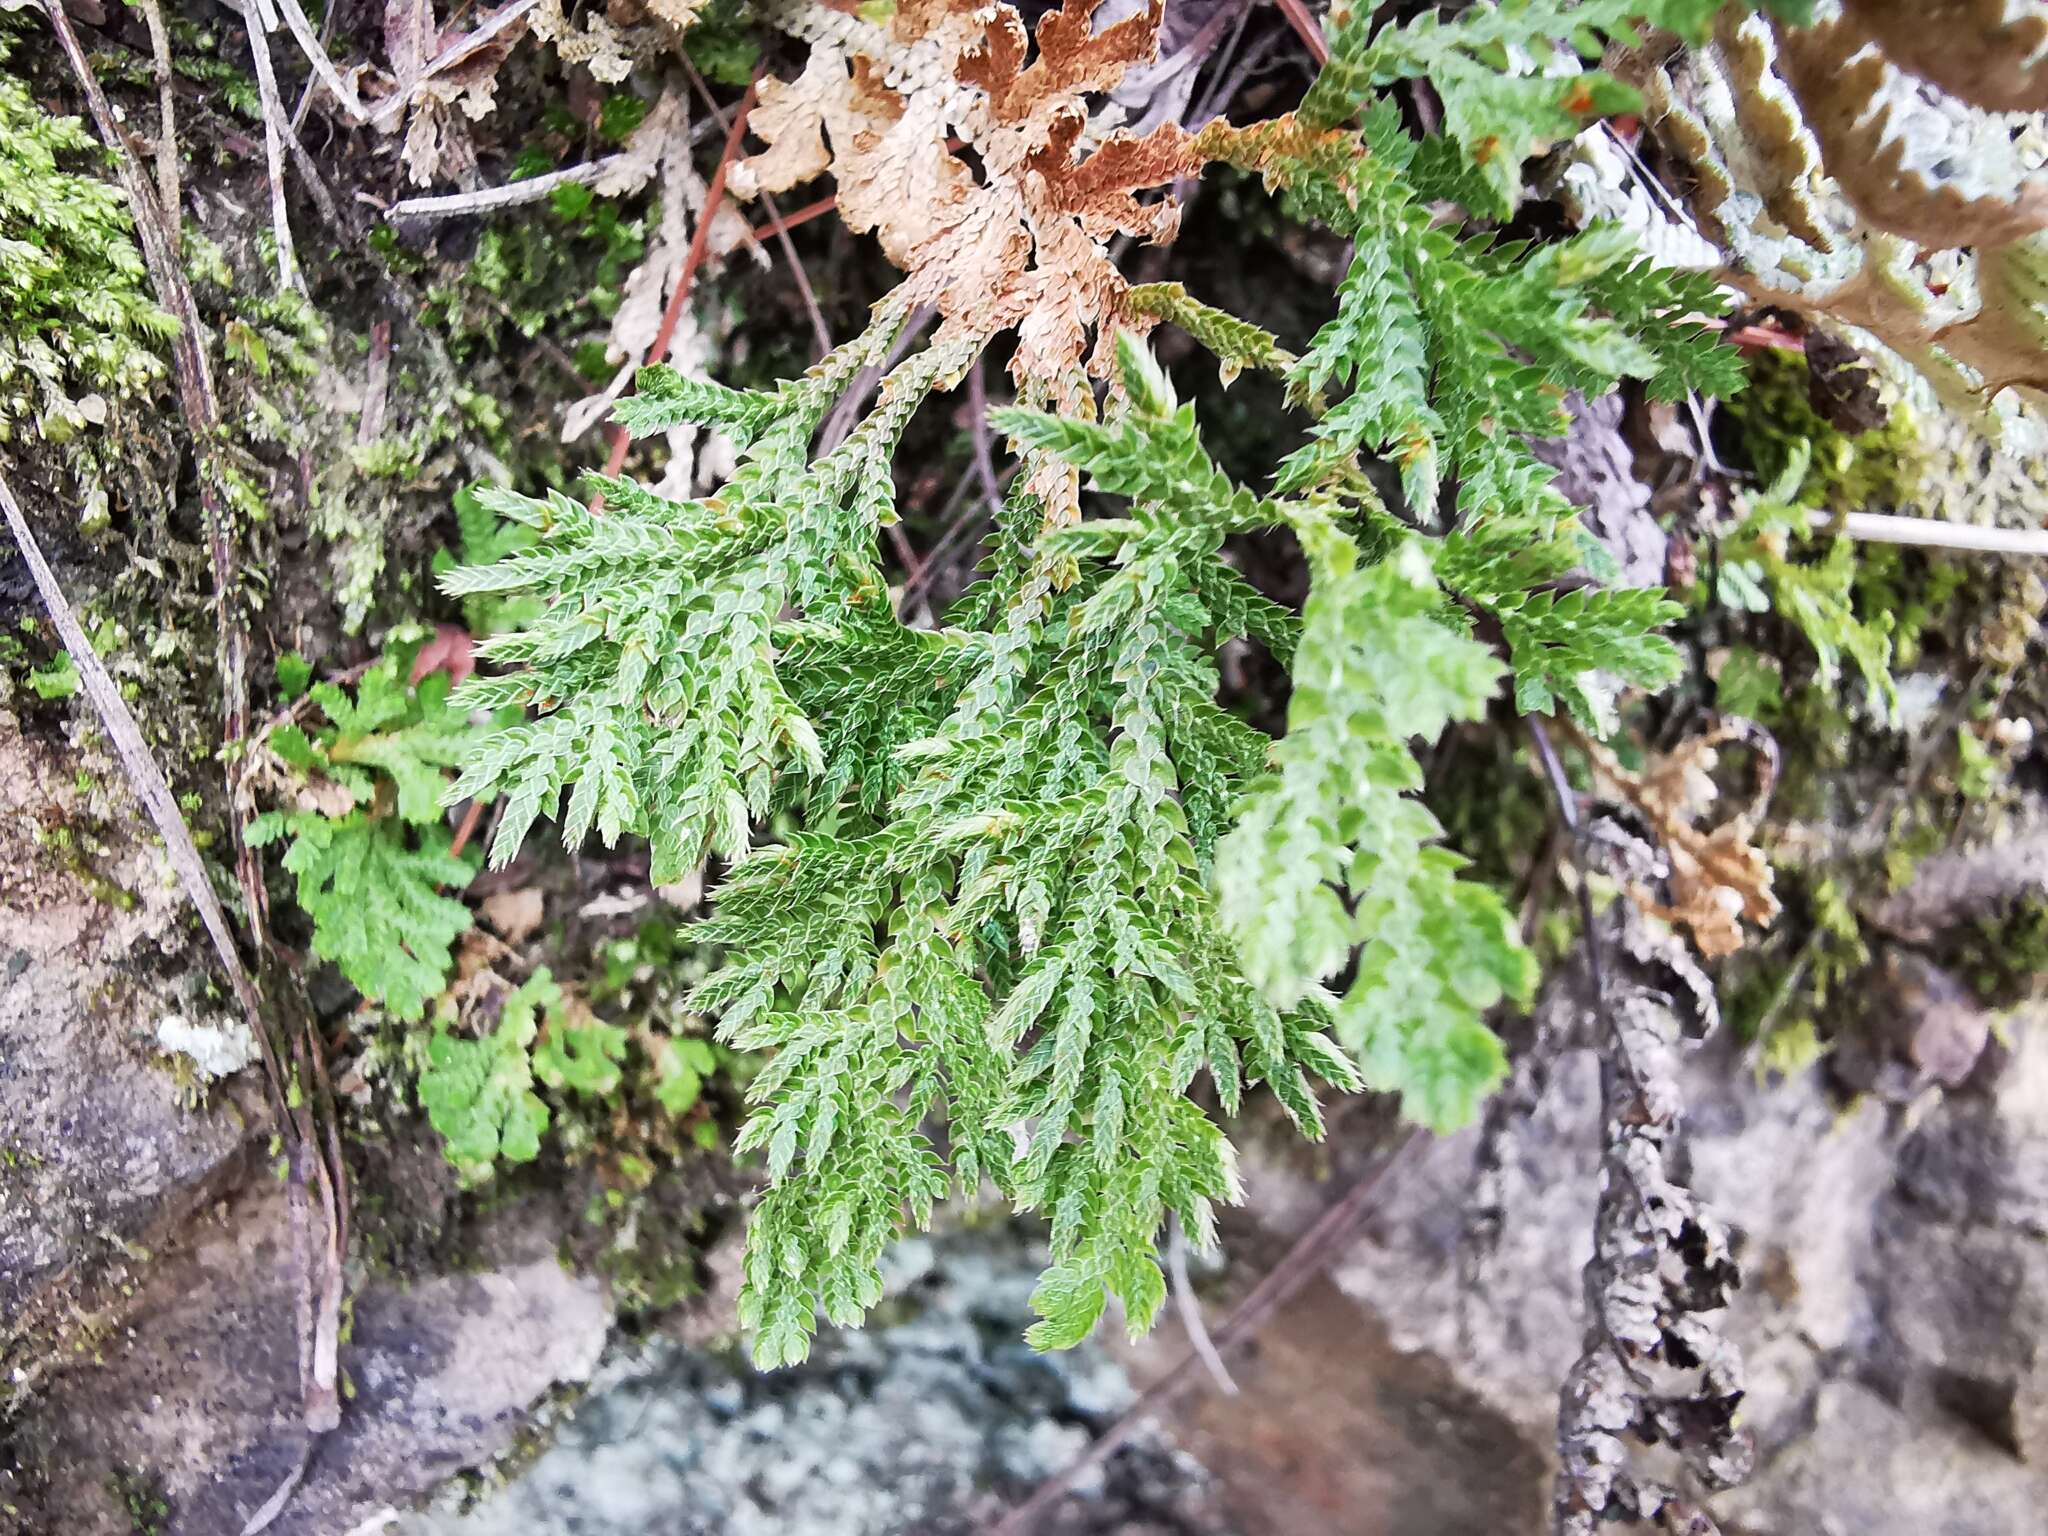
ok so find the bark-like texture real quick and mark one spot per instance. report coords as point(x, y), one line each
point(1657, 1367)
point(1897, 1287)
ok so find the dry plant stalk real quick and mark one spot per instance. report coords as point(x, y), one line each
point(1656, 1368)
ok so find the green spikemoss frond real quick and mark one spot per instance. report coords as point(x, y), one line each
point(1040, 880)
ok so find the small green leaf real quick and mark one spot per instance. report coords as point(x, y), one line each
point(478, 1093)
point(294, 672)
point(56, 678)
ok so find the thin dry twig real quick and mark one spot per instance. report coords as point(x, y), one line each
point(467, 829)
point(147, 780)
point(323, 67)
point(513, 194)
point(820, 331)
point(782, 223)
point(1190, 1309)
point(1239, 16)
point(167, 115)
point(1933, 533)
point(376, 385)
point(194, 379)
point(984, 456)
point(1568, 813)
point(1305, 27)
point(960, 515)
point(276, 127)
point(201, 410)
point(1302, 1262)
point(777, 225)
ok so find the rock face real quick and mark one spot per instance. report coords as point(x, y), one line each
point(98, 1150)
point(1596, 473)
point(1894, 1319)
point(196, 1400)
point(148, 1295)
point(928, 1421)
point(1893, 1322)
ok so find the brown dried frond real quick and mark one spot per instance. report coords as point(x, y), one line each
point(1718, 877)
point(1991, 53)
point(2006, 341)
point(433, 72)
point(1023, 245)
point(1913, 168)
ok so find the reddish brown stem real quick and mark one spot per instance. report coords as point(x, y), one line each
point(467, 829)
point(692, 260)
point(1305, 25)
point(803, 215)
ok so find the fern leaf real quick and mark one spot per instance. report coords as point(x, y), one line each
point(373, 890)
point(1499, 115)
point(1375, 668)
point(479, 1093)
point(663, 398)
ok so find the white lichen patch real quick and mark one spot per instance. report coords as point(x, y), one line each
point(217, 1050)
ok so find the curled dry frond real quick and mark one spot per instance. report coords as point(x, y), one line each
point(1021, 245)
point(1869, 170)
point(1718, 877)
point(1938, 172)
point(1990, 52)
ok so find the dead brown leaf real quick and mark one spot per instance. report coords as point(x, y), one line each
point(658, 152)
point(1022, 245)
point(1718, 877)
point(435, 73)
point(516, 915)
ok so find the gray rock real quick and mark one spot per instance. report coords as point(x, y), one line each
point(928, 1422)
point(197, 1398)
point(100, 1153)
point(1896, 1303)
point(1596, 473)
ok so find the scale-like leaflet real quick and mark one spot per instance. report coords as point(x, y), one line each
point(1044, 881)
point(373, 889)
point(371, 874)
point(1505, 70)
point(657, 706)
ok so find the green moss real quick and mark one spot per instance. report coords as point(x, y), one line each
point(548, 274)
point(1751, 685)
point(80, 337)
point(1917, 839)
point(2004, 956)
point(56, 678)
point(1872, 471)
point(387, 458)
point(196, 54)
point(1863, 599)
point(721, 44)
point(1779, 1000)
point(140, 1495)
point(1793, 1046)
